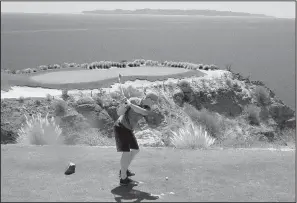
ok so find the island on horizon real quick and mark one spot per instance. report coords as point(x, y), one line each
point(177, 12)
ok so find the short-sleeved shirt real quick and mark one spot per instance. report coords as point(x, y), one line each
point(130, 118)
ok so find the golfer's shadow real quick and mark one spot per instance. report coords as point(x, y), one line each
point(128, 193)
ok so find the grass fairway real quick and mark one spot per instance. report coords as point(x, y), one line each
point(93, 79)
point(35, 173)
point(78, 76)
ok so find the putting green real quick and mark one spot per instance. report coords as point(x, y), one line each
point(81, 76)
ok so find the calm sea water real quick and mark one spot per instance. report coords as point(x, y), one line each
point(262, 48)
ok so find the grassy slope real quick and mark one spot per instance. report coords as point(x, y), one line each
point(8, 80)
point(34, 173)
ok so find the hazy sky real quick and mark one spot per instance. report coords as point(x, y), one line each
point(277, 9)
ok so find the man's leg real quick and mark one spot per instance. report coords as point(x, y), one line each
point(134, 149)
point(122, 145)
point(125, 161)
point(132, 156)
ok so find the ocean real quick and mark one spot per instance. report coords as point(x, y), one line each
point(263, 48)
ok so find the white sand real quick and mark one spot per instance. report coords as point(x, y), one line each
point(26, 92)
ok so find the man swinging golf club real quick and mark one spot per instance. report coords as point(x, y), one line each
point(126, 142)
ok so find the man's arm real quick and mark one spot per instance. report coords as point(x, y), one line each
point(136, 108)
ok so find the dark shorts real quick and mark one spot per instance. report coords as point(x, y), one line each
point(125, 138)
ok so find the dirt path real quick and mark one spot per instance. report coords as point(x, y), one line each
point(35, 173)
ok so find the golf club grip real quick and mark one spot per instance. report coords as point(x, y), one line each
point(120, 81)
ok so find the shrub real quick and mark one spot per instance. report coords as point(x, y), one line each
point(42, 67)
point(253, 115)
point(39, 131)
point(184, 85)
point(65, 94)
point(229, 82)
point(262, 96)
point(98, 100)
point(37, 102)
point(131, 91)
point(48, 97)
point(60, 108)
point(117, 95)
point(21, 99)
point(205, 118)
point(228, 67)
point(85, 100)
point(205, 67)
point(191, 136)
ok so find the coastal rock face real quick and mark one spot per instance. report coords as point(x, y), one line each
point(281, 113)
point(291, 123)
point(223, 101)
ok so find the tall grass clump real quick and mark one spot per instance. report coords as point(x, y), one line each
point(190, 136)
point(262, 96)
point(39, 131)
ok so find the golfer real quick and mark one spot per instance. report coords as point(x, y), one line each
point(123, 128)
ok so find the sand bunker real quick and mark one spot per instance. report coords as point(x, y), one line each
point(63, 77)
